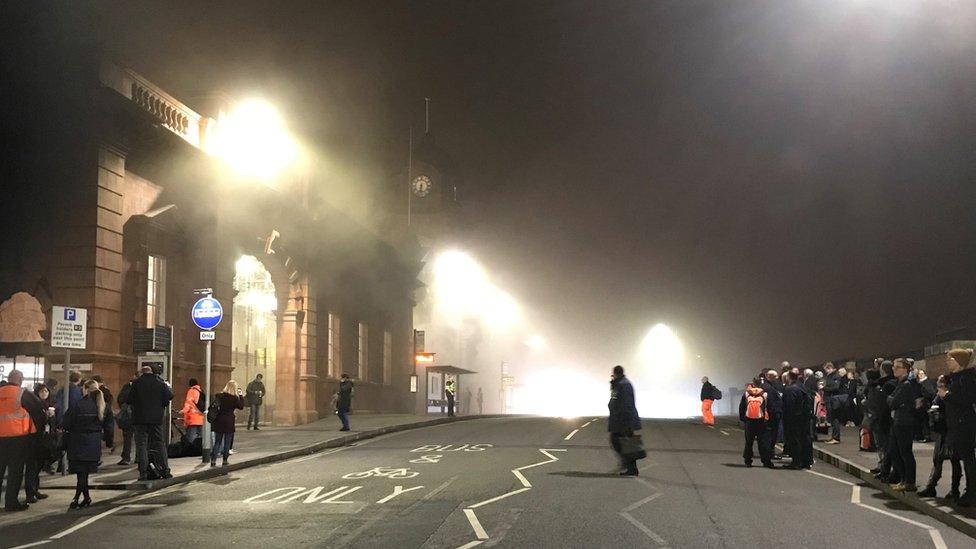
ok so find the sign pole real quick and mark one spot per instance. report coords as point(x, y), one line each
point(67, 379)
point(206, 424)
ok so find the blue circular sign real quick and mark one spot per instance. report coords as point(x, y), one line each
point(206, 313)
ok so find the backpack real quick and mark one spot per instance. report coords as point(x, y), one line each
point(755, 407)
point(124, 419)
point(201, 402)
point(212, 411)
point(716, 393)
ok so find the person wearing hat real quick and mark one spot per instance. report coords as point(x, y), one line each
point(960, 397)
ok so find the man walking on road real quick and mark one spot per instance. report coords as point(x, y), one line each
point(624, 420)
point(148, 396)
point(344, 401)
point(254, 398)
point(20, 413)
point(707, 398)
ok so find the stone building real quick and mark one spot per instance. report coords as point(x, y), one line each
point(113, 202)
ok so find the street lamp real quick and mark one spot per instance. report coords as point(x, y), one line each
point(253, 141)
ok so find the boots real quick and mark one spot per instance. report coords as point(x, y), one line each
point(928, 492)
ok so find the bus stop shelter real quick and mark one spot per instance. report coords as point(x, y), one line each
point(437, 377)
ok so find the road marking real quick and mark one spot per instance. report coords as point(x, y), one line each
point(650, 533)
point(475, 524)
point(432, 458)
point(314, 495)
point(498, 498)
point(835, 479)
point(319, 454)
point(469, 511)
point(640, 526)
point(397, 490)
point(388, 472)
point(649, 498)
point(587, 423)
point(471, 544)
point(289, 489)
point(934, 533)
point(724, 432)
point(453, 447)
point(160, 492)
point(100, 516)
point(35, 544)
point(569, 436)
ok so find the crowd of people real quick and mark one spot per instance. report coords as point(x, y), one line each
point(894, 403)
point(38, 432)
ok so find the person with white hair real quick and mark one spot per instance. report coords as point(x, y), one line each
point(20, 413)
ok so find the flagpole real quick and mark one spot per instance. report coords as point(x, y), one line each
point(409, 176)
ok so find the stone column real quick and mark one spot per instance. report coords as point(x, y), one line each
point(295, 369)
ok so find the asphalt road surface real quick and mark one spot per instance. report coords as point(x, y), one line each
point(506, 482)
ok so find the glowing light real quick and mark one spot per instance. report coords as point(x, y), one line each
point(662, 353)
point(425, 358)
point(253, 140)
point(536, 343)
point(462, 290)
point(563, 391)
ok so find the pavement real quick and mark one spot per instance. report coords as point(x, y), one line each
point(506, 482)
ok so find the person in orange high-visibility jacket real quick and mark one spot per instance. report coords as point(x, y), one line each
point(20, 411)
point(192, 415)
point(707, 398)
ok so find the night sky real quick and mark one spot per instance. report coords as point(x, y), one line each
point(775, 180)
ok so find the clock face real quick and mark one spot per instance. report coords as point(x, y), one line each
point(421, 185)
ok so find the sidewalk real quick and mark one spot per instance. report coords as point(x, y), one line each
point(849, 458)
point(251, 448)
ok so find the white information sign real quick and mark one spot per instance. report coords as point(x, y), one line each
point(69, 327)
point(208, 336)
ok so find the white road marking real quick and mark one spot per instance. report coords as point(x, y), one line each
point(35, 544)
point(835, 479)
point(635, 505)
point(471, 544)
point(934, 533)
point(569, 436)
point(431, 494)
point(431, 458)
point(100, 516)
point(288, 489)
point(469, 511)
point(640, 526)
point(587, 423)
point(724, 432)
point(335, 498)
point(650, 533)
point(498, 498)
point(397, 490)
point(313, 495)
point(476, 525)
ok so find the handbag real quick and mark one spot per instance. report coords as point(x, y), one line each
point(632, 447)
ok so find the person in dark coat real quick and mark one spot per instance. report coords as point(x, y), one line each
point(254, 398)
point(835, 395)
point(229, 401)
point(110, 431)
point(941, 451)
point(85, 424)
point(707, 399)
point(960, 397)
point(344, 401)
point(74, 394)
point(148, 397)
point(929, 391)
point(36, 452)
point(20, 413)
point(774, 406)
point(124, 421)
point(755, 429)
point(797, 411)
point(905, 403)
point(624, 420)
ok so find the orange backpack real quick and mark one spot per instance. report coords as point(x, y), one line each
point(755, 406)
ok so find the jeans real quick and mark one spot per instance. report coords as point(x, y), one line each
point(223, 442)
point(254, 415)
point(629, 464)
point(193, 432)
point(127, 445)
point(149, 438)
point(757, 431)
point(902, 458)
point(344, 418)
point(13, 450)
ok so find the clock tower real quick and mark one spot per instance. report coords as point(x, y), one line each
point(432, 207)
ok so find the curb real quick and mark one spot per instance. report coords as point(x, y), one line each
point(912, 501)
point(153, 485)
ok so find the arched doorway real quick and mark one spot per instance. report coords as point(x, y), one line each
point(255, 330)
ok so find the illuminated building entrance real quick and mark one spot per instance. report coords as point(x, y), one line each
point(255, 329)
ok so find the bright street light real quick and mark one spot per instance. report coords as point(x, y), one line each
point(253, 141)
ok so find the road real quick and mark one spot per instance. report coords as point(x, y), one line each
point(506, 482)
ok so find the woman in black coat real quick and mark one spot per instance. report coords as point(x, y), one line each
point(85, 424)
point(230, 400)
point(961, 418)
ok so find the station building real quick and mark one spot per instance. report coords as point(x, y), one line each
point(114, 202)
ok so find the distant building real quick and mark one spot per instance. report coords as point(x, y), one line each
point(113, 203)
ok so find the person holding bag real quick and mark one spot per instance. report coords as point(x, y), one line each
point(85, 423)
point(624, 422)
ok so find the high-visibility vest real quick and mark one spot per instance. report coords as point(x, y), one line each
point(14, 419)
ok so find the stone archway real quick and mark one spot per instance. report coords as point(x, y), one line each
point(254, 337)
